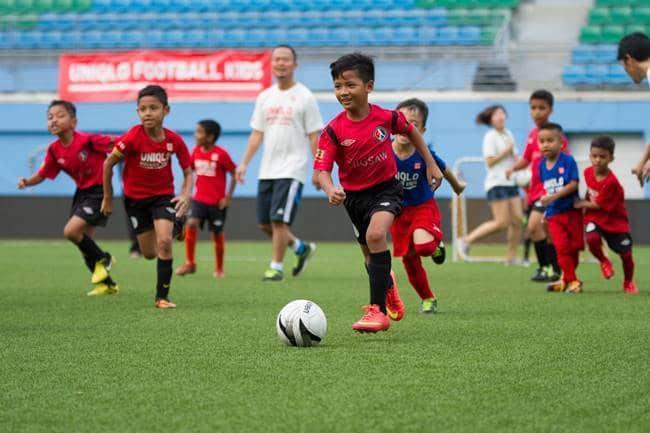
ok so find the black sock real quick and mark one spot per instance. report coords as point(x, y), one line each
point(551, 256)
point(527, 243)
point(90, 251)
point(540, 252)
point(379, 274)
point(90, 263)
point(164, 268)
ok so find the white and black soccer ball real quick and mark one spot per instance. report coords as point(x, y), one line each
point(301, 323)
point(522, 178)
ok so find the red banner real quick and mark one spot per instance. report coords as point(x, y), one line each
point(118, 76)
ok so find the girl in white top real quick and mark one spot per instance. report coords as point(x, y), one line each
point(499, 152)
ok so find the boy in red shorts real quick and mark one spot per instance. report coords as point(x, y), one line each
point(416, 231)
point(149, 184)
point(81, 156)
point(358, 140)
point(558, 173)
point(210, 164)
point(605, 215)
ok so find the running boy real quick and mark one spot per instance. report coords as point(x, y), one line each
point(149, 184)
point(81, 156)
point(605, 213)
point(416, 231)
point(358, 140)
point(558, 173)
point(541, 108)
point(210, 164)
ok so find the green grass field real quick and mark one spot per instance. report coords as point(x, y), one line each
point(502, 355)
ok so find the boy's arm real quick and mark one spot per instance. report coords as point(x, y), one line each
point(568, 189)
point(313, 144)
point(335, 195)
point(642, 169)
point(519, 165)
point(107, 200)
point(434, 175)
point(225, 202)
point(32, 180)
point(254, 142)
point(183, 199)
point(586, 204)
point(455, 184)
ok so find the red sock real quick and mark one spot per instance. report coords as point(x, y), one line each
point(595, 244)
point(190, 244)
point(426, 250)
point(628, 266)
point(568, 266)
point(219, 248)
point(417, 276)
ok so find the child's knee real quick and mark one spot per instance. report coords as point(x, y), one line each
point(164, 245)
point(375, 237)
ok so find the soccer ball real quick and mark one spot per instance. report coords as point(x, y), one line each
point(301, 323)
point(521, 178)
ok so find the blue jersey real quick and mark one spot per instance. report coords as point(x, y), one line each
point(554, 179)
point(412, 174)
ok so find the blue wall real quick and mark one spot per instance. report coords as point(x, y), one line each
point(451, 129)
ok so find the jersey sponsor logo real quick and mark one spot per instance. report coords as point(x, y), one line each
point(417, 166)
point(560, 170)
point(369, 161)
point(154, 160)
point(60, 161)
point(408, 180)
point(348, 142)
point(83, 155)
point(205, 168)
point(380, 133)
point(170, 147)
point(553, 185)
point(214, 157)
point(279, 115)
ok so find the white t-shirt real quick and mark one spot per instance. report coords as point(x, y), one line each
point(285, 117)
point(494, 142)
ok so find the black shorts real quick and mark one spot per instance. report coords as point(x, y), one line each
point(620, 243)
point(215, 217)
point(361, 205)
point(278, 200)
point(87, 205)
point(502, 193)
point(537, 206)
point(142, 212)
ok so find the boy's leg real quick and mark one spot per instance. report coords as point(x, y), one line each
point(379, 263)
point(191, 235)
point(97, 261)
point(417, 276)
point(595, 245)
point(621, 244)
point(537, 234)
point(566, 257)
point(163, 229)
point(218, 240)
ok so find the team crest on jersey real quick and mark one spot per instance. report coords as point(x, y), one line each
point(380, 133)
point(560, 170)
point(348, 142)
point(214, 157)
point(417, 166)
point(170, 147)
point(60, 161)
point(83, 155)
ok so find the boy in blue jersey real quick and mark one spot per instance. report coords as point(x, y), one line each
point(559, 175)
point(416, 231)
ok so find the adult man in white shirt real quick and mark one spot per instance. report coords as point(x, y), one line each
point(287, 120)
point(634, 55)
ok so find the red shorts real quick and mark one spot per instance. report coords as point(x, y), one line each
point(566, 231)
point(424, 216)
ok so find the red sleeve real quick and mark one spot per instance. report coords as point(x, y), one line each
point(183, 155)
point(50, 168)
point(228, 164)
point(124, 144)
point(102, 143)
point(326, 152)
point(402, 126)
point(610, 196)
point(528, 152)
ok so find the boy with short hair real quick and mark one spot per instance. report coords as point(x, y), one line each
point(541, 107)
point(605, 215)
point(558, 173)
point(358, 140)
point(81, 156)
point(149, 184)
point(210, 163)
point(416, 231)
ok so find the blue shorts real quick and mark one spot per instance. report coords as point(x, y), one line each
point(278, 200)
point(502, 193)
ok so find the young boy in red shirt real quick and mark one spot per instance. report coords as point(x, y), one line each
point(210, 164)
point(358, 140)
point(558, 172)
point(605, 215)
point(82, 157)
point(149, 184)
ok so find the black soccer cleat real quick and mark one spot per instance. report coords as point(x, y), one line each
point(540, 276)
point(303, 259)
point(440, 254)
point(179, 229)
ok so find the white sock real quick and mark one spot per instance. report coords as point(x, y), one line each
point(276, 266)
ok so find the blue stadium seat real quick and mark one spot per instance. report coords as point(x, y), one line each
point(256, 37)
point(196, 37)
point(298, 36)
point(427, 35)
point(435, 17)
point(340, 36)
point(448, 36)
point(30, 39)
point(605, 53)
point(112, 39)
point(582, 55)
point(469, 35)
point(72, 39)
point(596, 74)
point(574, 75)
point(383, 36)
point(216, 37)
point(617, 76)
point(405, 35)
point(134, 38)
point(318, 36)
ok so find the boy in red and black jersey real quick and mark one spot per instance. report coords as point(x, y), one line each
point(210, 163)
point(605, 213)
point(81, 156)
point(149, 184)
point(359, 141)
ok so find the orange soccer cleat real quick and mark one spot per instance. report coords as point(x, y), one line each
point(164, 304)
point(186, 268)
point(630, 287)
point(606, 269)
point(373, 321)
point(394, 304)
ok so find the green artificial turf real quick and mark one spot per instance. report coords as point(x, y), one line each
point(502, 355)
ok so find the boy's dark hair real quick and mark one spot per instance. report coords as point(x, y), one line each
point(604, 142)
point(290, 48)
point(550, 126)
point(485, 116)
point(543, 95)
point(69, 106)
point(156, 91)
point(362, 64)
point(211, 127)
point(417, 104)
point(635, 45)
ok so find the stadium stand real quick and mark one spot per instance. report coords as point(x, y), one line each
point(593, 63)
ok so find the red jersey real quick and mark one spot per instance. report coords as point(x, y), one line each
point(210, 168)
point(609, 196)
point(533, 155)
point(82, 160)
point(362, 149)
point(147, 167)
